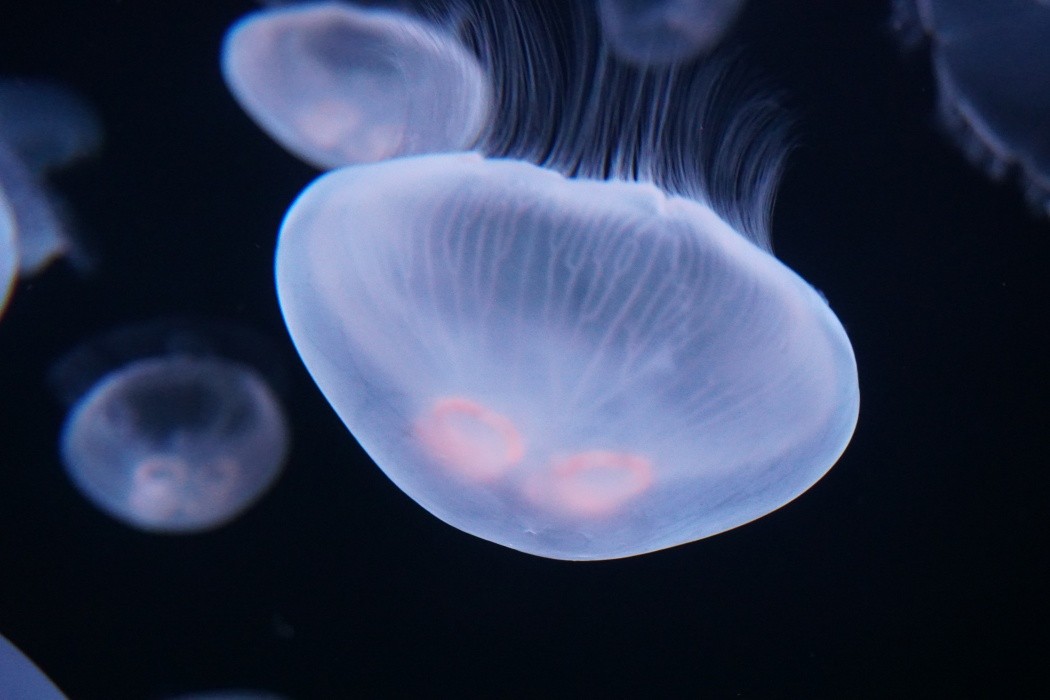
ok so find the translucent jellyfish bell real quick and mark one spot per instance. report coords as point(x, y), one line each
point(20, 679)
point(654, 32)
point(993, 74)
point(170, 436)
point(337, 84)
point(578, 369)
point(43, 127)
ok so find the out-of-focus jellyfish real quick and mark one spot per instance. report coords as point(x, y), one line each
point(992, 67)
point(337, 84)
point(173, 429)
point(229, 695)
point(20, 679)
point(654, 32)
point(8, 252)
point(43, 127)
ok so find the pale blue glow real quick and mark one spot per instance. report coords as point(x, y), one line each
point(20, 679)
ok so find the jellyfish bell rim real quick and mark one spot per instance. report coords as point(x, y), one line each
point(438, 171)
point(90, 360)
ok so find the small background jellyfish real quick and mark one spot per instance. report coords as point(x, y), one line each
point(993, 78)
point(20, 679)
point(173, 435)
point(577, 367)
point(659, 32)
point(43, 128)
point(337, 84)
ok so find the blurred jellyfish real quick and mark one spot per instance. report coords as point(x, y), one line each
point(43, 127)
point(337, 84)
point(992, 69)
point(229, 695)
point(570, 360)
point(20, 679)
point(8, 252)
point(174, 428)
point(654, 32)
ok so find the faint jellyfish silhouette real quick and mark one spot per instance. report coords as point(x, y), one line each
point(582, 367)
point(20, 679)
point(174, 427)
point(337, 84)
point(8, 252)
point(43, 127)
point(655, 32)
point(993, 77)
point(228, 695)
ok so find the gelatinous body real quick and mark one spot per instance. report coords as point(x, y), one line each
point(175, 444)
point(655, 32)
point(993, 74)
point(20, 679)
point(43, 127)
point(574, 368)
point(337, 84)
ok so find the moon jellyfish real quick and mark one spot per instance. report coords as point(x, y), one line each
point(993, 75)
point(170, 435)
point(585, 350)
point(653, 32)
point(573, 368)
point(337, 84)
point(43, 127)
point(20, 679)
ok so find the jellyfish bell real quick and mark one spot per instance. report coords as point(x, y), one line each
point(575, 342)
point(338, 84)
point(993, 78)
point(658, 32)
point(603, 370)
point(173, 427)
point(21, 679)
point(43, 128)
point(47, 125)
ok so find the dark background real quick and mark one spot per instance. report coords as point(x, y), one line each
point(918, 566)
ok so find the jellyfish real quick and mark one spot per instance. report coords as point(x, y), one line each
point(229, 695)
point(169, 435)
point(578, 351)
point(654, 32)
point(20, 679)
point(993, 77)
point(43, 128)
point(8, 253)
point(337, 84)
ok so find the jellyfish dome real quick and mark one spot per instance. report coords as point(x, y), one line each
point(179, 441)
point(993, 74)
point(656, 32)
point(43, 127)
point(20, 679)
point(337, 84)
point(575, 368)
